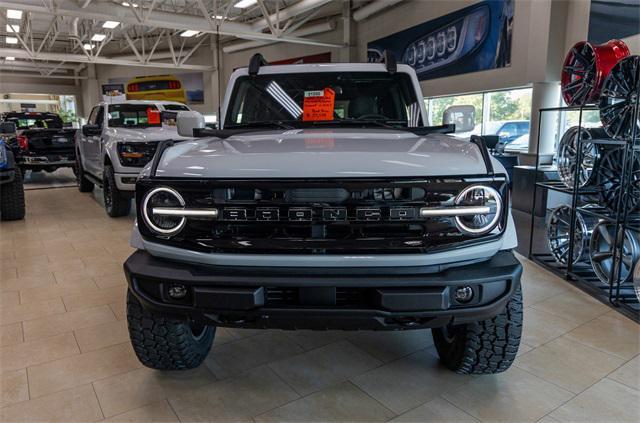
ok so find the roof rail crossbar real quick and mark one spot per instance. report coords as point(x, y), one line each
point(255, 62)
point(389, 60)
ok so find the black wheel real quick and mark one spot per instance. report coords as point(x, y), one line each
point(12, 199)
point(484, 347)
point(116, 202)
point(165, 343)
point(619, 95)
point(609, 179)
point(84, 185)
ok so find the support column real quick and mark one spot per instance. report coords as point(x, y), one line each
point(90, 91)
point(348, 53)
point(216, 95)
point(544, 95)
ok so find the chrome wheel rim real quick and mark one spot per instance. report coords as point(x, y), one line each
point(567, 157)
point(601, 249)
point(636, 280)
point(619, 93)
point(558, 231)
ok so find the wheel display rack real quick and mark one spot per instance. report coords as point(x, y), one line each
point(615, 291)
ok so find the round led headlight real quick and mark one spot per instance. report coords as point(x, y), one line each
point(441, 44)
point(421, 52)
point(452, 38)
point(479, 196)
point(163, 198)
point(431, 48)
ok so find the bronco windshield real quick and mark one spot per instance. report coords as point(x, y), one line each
point(303, 99)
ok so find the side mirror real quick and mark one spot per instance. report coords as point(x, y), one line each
point(7, 128)
point(187, 121)
point(464, 117)
point(91, 130)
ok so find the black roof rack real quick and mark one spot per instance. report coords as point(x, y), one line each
point(389, 59)
point(255, 62)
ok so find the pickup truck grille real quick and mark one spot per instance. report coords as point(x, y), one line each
point(359, 216)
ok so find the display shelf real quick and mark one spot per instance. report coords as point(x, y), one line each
point(559, 186)
point(633, 219)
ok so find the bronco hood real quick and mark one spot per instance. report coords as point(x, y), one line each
point(322, 153)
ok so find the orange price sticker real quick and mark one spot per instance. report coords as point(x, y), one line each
point(318, 105)
point(153, 116)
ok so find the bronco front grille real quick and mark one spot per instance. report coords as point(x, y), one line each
point(354, 216)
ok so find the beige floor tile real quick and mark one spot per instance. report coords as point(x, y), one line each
point(67, 322)
point(388, 346)
point(13, 387)
point(539, 285)
point(16, 284)
point(143, 386)
point(234, 357)
point(577, 308)
point(80, 369)
point(437, 410)
point(238, 399)
point(43, 350)
point(119, 308)
point(11, 334)
point(55, 291)
point(115, 279)
point(325, 366)
point(611, 333)
point(606, 401)
point(540, 327)
point(223, 336)
point(562, 362)
point(103, 335)
point(341, 403)
point(157, 412)
point(311, 339)
point(512, 396)
point(409, 382)
point(9, 298)
point(74, 405)
point(18, 313)
point(629, 374)
point(93, 299)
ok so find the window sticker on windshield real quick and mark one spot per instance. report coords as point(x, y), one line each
point(153, 116)
point(318, 105)
point(114, 115)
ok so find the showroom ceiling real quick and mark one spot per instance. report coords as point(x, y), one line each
point(55, 38)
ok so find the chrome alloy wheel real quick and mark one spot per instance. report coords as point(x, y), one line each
point(601, 248)
point(558, 235)
point(567, 157)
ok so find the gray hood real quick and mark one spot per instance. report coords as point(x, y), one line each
point(150, 134)
point(322, 153)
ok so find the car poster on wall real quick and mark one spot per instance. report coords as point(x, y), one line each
point(472, 39)
point(625, 14)
point(181, 87)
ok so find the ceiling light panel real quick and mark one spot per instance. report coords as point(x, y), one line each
point(14, 14)
point(98, 37)
point(11, 40)
point(243, 4)
point(10, 58)
point(13, 28)
point(110, 24)
point(189, 33)
point(87, 46)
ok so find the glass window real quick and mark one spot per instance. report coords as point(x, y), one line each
point(175, 107)
point(134, 115)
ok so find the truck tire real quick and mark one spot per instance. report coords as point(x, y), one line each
point(12, 198)
point(484, 347)
point(166, 343)
point(84, 185)
point(116, 203)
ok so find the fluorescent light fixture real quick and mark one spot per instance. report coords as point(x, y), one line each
point(14, 14)
point(13, 28)
point(87, 46)
point(98, 37)
point(110, 24)
point(125, 4)
point(189, 33)
point(10, 58)
point(243, 4)
point(11, 40)
point(217, 17)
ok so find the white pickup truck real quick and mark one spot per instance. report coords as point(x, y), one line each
point(118, 140)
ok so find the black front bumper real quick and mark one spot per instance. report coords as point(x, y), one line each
point(323, 298)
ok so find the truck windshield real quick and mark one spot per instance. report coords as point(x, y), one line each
point(134, 115)
point(303, 99)
point(35, 121)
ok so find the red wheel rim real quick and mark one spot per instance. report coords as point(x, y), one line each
point(585, 69)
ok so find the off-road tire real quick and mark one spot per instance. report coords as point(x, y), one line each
point(483, 347)
point(116, 202)
point(84, 185)
point(163, 342)
point(12, 198)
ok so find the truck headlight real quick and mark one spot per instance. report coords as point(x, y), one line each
point(163, 223)
point(136, 154)
point(483, 197)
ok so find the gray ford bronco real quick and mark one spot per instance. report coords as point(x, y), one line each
point(324, 202)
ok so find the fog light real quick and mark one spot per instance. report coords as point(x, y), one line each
point(463, 294)
point(177, 291)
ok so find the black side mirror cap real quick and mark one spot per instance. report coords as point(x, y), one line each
point(90, 130)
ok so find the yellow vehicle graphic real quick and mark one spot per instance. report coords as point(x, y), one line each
point(156, 87)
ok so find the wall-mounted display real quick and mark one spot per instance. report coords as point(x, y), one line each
point(623, 12)
point(185, 88)
point(472, 39)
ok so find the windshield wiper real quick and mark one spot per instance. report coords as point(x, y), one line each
point(281, 124)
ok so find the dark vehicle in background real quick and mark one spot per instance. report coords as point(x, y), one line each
point(509, 131)
point(41, 141)
point(11, 189)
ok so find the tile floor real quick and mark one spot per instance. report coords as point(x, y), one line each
point(65, 354)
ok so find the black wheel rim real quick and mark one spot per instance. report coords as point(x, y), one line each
point(609, 178)
point(619, 94)
point(581, 70)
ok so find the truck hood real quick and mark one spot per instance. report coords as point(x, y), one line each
point(144, 134)
point(322, 153)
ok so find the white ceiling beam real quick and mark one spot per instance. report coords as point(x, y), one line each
point(299, 8)
point(373, 8)
point(80, 58)
point(109, 11)
point(309, 30)
point(37, 75)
